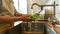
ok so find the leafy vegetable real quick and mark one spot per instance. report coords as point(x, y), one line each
point(33, 17)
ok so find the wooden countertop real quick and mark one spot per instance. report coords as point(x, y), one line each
point(3, 29)
point(57, 30)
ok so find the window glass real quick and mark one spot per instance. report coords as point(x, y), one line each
point(21, 6)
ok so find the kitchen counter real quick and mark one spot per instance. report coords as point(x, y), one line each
point(57, 30)
point(4, 28)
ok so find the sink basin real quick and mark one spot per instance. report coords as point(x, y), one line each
point(53, 30)
point(58, 26)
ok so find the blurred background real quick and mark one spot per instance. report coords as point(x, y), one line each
point(24, 6)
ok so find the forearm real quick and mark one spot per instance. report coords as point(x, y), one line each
point(5, 19)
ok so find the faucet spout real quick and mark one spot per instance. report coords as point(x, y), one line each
point(37, 5)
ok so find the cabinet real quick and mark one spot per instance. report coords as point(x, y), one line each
point(49, 30)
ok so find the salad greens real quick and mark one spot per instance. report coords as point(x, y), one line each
point(33, 17)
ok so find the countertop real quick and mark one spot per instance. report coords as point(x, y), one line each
point(56, 29)
point(4, 28)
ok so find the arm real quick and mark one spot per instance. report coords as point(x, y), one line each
point(6, 19)
point(17, 17)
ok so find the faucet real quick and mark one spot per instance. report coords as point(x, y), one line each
point(37, 5)
point(44, 6)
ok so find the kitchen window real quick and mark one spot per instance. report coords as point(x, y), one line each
point(21, 7)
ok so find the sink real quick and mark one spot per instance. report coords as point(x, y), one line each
point(58, 26)
point(52, 30)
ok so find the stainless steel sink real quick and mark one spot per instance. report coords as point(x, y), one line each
point(53, 30)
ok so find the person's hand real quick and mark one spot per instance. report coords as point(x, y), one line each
point(25, 17)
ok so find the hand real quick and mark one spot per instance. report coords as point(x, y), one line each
point(25, 17)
